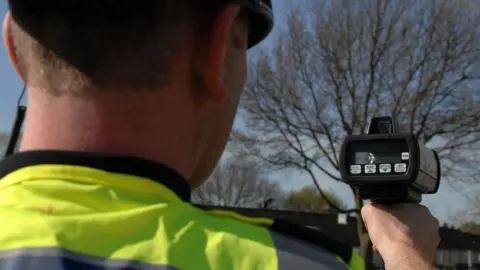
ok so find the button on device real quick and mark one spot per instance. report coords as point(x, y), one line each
point(405, 156)
point(400, 167)
point(370, 168)
point(356, 169)
point(385, 168)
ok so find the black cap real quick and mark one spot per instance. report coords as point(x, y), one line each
point(261, 19)
point(260, 15)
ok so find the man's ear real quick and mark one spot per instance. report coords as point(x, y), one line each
point(9, 43)
point(212, 64)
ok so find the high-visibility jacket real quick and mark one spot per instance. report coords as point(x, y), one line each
point(65, 210)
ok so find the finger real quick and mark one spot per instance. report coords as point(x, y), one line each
point(364, 213)
point(371, 208)
point(377, 206)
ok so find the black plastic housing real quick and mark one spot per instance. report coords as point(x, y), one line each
point(439, 173)
point(406, 179)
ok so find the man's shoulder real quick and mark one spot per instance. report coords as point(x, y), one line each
point(294, 253)
point(292, 245)
point(165, 233)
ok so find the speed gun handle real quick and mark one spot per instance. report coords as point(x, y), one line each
point(393, 194)
point(388, 202)
point(390, 195)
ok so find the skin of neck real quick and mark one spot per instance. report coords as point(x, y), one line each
point(158, 125)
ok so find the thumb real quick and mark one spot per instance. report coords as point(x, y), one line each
point(365, 212)
point(370, 210)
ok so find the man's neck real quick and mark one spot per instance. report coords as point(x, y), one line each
point(111, 123)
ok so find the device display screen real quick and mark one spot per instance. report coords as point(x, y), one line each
point(378, 156)
point(375, 157)
point(379, 151)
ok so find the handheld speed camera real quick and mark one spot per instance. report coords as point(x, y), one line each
point(389, 167)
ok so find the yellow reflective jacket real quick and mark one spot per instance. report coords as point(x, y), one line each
point(65, 210)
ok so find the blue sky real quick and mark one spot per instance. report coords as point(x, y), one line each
point(10, 84)
point(443, 204)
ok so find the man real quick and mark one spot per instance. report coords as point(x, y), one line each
point(130, 106)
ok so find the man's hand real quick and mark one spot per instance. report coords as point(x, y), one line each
point(405, 235)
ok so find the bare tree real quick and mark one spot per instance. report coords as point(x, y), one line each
point(234, 183)
point(468, 219)
point(308, 199)
point(471, 213)
point(474, 209)
point(341, 62)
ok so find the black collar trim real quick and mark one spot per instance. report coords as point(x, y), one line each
point(111, 163)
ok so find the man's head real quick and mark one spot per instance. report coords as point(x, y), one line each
point(181, 64)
